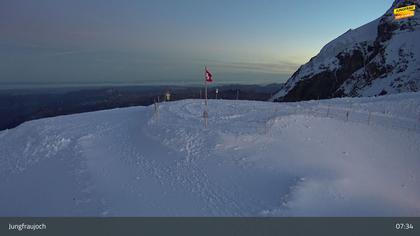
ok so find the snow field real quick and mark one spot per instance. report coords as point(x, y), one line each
point(253, 159)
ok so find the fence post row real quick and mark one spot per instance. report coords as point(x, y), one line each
point(311, 112)
point(419, 117)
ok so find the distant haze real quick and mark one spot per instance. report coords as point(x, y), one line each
point(168, 42)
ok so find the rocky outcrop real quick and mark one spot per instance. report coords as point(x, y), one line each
point(379, 58)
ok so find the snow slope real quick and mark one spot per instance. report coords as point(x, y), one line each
point(326, 58)
point(254, 159)
point(378, 58)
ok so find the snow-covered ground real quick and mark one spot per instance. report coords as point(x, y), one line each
point(253, 159)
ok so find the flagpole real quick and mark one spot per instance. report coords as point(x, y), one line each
point(205, 85)
point(206, 92)
point(205, 113)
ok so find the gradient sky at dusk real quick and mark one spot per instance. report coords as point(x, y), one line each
point(156, 41)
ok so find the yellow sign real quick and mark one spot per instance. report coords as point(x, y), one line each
point(406, 15)
point(404, 12)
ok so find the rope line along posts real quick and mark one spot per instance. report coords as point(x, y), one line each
point(370, 118)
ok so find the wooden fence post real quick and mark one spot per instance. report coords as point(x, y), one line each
point(156, 105)
point(419, 117)
point(418, 122)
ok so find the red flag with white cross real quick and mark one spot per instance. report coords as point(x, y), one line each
point(208, 76)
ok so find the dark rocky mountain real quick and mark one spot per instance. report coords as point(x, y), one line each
point(381, 57)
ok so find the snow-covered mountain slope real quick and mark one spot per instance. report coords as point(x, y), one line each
point(253, 159)
point(381, 57)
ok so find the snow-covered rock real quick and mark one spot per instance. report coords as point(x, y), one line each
point(381, 57)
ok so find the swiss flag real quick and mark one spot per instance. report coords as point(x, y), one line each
point(208, 76)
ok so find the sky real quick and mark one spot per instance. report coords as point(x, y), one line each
point(169, 42)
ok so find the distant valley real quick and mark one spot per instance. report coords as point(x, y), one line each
point(18, 106)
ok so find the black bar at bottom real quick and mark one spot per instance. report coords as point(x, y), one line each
point(210, 226)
